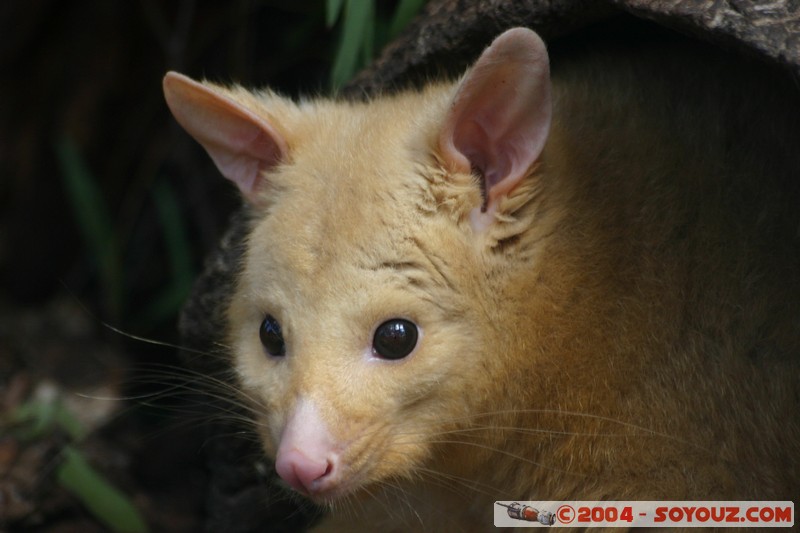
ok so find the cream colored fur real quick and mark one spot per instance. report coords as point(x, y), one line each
point(627, 328)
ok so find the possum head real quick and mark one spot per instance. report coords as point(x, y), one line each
point(368, 318)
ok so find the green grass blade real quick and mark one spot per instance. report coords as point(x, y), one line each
point(175, 235)
point(69, 422)
point(406, 10)
point(94, 221)
point(332, 10)
point(368, 40)
point(176, 240)
point(35, 418)
point(164, 306)
point(356, 17)
point(102, 499)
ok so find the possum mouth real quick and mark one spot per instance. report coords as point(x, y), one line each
point(352, 489)
point(342, 481)
point(329, 471)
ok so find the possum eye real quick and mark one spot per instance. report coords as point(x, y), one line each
point(395, 339)
point(271, 336)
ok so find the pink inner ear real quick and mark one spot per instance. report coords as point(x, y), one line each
point(242, 144)
point(501, 113)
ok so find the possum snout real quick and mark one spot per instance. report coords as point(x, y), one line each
point(307, 458)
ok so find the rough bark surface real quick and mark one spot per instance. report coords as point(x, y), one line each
point(449, 33)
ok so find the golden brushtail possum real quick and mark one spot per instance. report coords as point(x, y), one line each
point(518, 286)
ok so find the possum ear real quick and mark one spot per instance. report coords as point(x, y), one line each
point(500, 116)
point(242, 144)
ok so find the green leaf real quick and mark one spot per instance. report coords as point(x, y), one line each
point(368, 42)
point(37, 417)
point(179, 254)
point(356, 20)
point(332, 10)
point(102, 499)
point(94, 221)
point(164, 305)
point(175, 235)
point(406, 10)
point(68, 422)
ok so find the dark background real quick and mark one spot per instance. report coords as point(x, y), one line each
point(89, 74)
point(107, 209)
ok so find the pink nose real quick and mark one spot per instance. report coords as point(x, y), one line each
point(304, 474)
point(307, 456)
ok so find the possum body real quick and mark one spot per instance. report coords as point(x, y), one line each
point(577, 286)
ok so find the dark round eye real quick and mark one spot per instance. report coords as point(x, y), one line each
point(271, 336)
point(395, 339)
